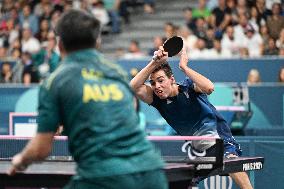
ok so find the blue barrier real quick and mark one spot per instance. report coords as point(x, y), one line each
point(224, 70)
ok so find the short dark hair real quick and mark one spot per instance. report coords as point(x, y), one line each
point(78, 30)
point(166, 68)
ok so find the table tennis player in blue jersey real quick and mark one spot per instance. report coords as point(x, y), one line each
point(185, 107)
point(91, 97)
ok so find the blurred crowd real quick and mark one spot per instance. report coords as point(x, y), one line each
point(213, 29)
point(28, 50)
point(226, 29)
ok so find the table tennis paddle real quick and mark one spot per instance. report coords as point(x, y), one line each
point(172, 46)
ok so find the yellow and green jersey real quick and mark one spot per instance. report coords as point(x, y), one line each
point(91, 97)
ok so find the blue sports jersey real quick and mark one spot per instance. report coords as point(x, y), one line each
point(190, 113)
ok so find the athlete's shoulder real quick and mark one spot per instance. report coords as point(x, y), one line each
point(113, 67)
point(61, 72)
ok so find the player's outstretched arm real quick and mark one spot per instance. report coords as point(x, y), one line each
point(37, 149)
point(202, 84)
point(143, 91)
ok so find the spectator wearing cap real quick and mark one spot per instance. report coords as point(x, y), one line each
point(275, 22)
point(253, 42)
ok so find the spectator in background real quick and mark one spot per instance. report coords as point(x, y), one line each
point(3, 53)
point(112, 7)
point(99, 11)
point(253, 19)
point(47, 12)
point(264, 35)
point(189, 39)
point(200, 51)
point(209, 38)
point(28, 19)
point(54, 18)
point(275, 22)
point(149, 6)
point(6, 73)
point(221, 16)
point(15, 54)
point(43, 31)
point(253, 42)
point(253, 77)
point(29, 72)
point(230, 42)
point(281, 75)
point(263, 12)
point(47, 59)
point(280, 40)
point(231, 6)
point(29, 43)
point(119, 52)
point(4, 34)
point(242, 8)
point(272, 49)
point(201, 27)
point(157, 42)
point(13, 30)
point(201, 11)
point(281, 52)
point(134, 51)
point(16, 44)
point(244, 52)
point(170, 30)
point(39, 9)
point(187, 15)
point(217, 51)
point(239, 29)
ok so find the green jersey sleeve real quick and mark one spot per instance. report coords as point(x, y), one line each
point(48, 111)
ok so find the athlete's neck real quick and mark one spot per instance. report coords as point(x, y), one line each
point(174, 91)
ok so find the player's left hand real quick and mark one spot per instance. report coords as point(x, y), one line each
point(17, 165)
point(183, 59)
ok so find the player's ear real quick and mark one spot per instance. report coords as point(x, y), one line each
point(173, 81)
point(61, 48)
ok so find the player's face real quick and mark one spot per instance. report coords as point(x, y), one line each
point(161, 84)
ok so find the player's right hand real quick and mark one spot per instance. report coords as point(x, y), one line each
point(160, 56)
point(17, 165)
